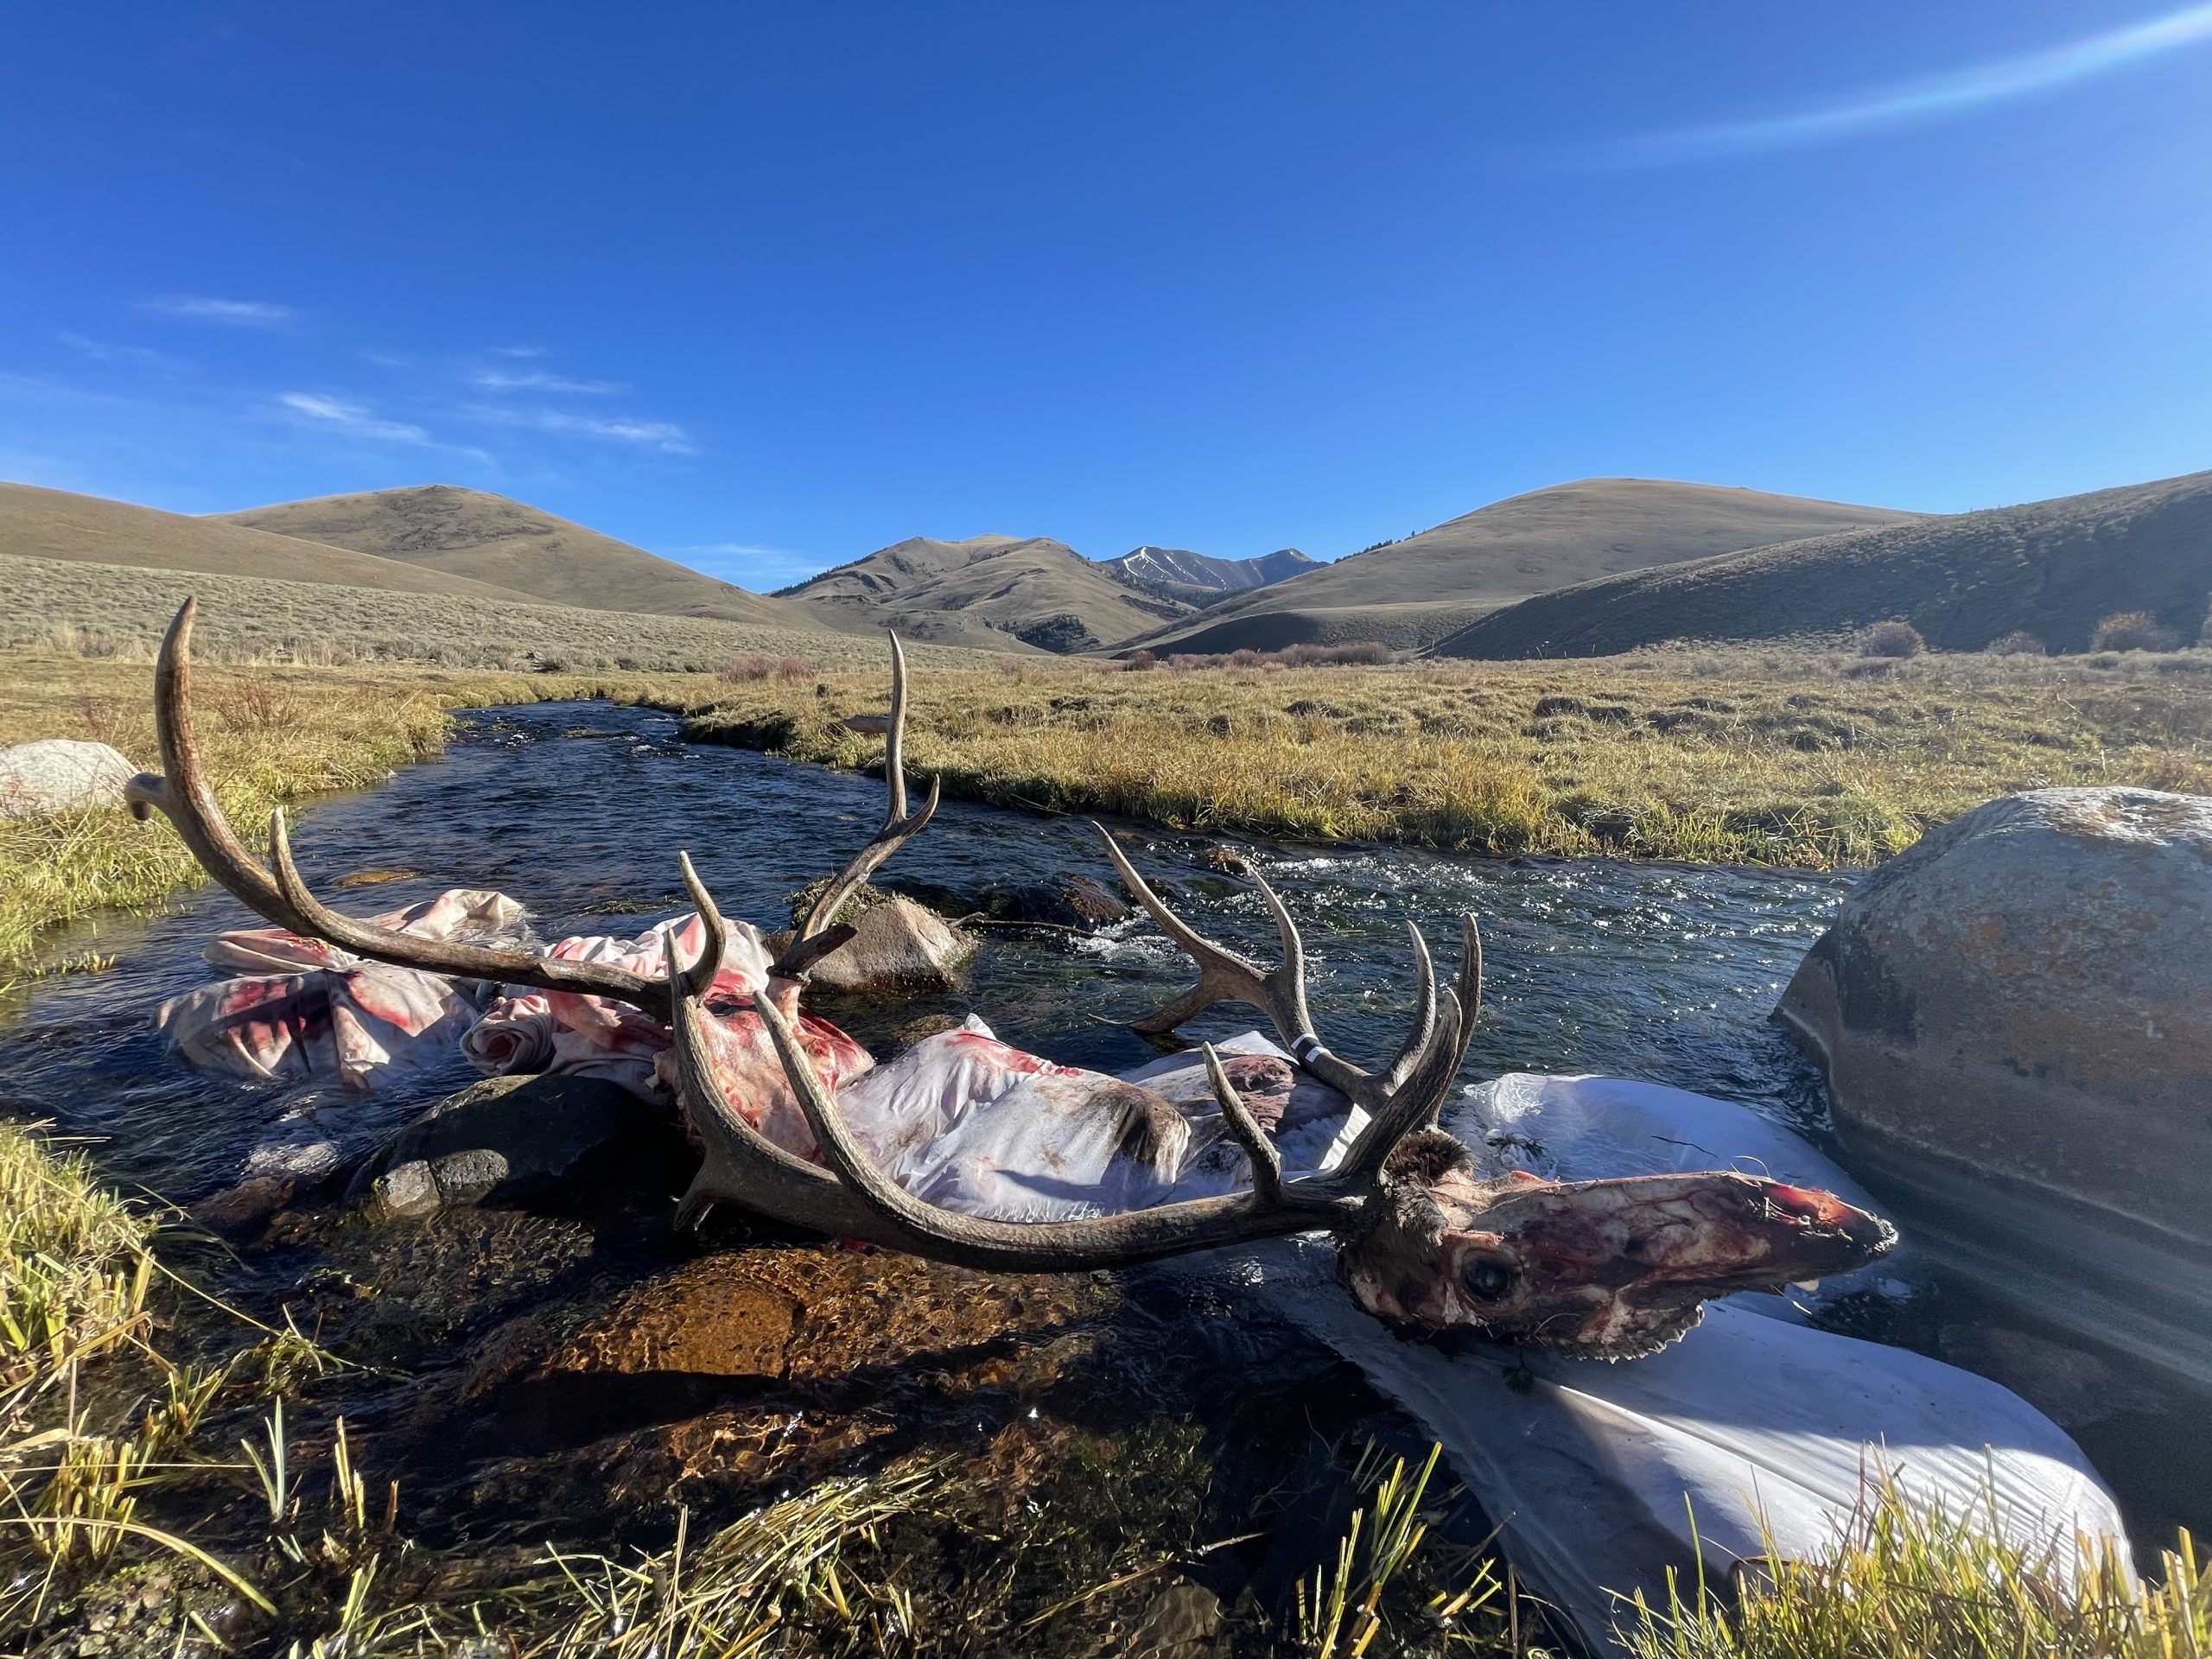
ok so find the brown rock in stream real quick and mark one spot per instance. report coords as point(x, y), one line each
point(778, 1365)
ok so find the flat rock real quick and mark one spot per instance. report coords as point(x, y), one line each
point(2016, 1020)
point(897, 945)
point(61, 774)
point(505, 1141)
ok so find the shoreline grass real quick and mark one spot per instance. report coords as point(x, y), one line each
point(1806, 759)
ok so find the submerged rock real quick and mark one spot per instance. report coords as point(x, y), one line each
point(2016, 1020)
point(61, 774)
point(1074, 901)
point(777, 1365)
point(509, 1140)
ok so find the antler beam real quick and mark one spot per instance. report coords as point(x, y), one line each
point(1280, 992)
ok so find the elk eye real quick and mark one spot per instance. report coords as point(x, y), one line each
point(1488, 1280)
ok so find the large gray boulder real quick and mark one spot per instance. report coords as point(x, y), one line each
point(60, 774)
point(2016, 1020)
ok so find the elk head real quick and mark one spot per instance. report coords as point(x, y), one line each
point(1607, 1268)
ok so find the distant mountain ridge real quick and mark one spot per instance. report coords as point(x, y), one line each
point(2051, 569)
point(998, 592)
point(487, 538)
point(1201, 579)
point(1431, 585)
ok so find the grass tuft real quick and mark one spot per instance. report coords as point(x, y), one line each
point(1928, 1585)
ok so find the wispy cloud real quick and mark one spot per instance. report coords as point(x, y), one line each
point(519, 350)
point(538, 380)
point(360, 420)
point(1958, 92)
point(103, 351)
point(353, 417)
point(234, 313)
point(665, 436)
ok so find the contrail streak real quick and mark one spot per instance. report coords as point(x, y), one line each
point(1932, 99)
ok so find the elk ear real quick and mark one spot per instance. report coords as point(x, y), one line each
point(1426, 1157)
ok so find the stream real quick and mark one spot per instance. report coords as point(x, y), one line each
point(1664, 973)
point(1654, 971)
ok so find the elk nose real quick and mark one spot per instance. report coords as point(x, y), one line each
point(1854, 1235)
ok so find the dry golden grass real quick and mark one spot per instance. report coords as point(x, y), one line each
point(1800, 758)
point(273, 736)
point(1786, 758)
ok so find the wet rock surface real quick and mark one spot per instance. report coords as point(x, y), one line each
point(771, 1337)
point(510, 1140)
point(2016, 1019)
point(897, 945)
point(1064, 901)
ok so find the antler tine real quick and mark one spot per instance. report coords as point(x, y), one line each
point(300, 910)
point(1469, 990)
point(1415, 1100)
point(742, 1166)
point(898, 826)
point(1408, 1106)
point(700, 975)
point(1224, 975)
point(1266, 1162)
point(1112, 1240)
point(1280, 992)
point(894, 735)
point(181, 792)
point(1424, 1010)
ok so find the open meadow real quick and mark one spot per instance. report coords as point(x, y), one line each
point(1804, 758)
point(1800, 758)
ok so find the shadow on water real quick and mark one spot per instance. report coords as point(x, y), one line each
point(521, 1332)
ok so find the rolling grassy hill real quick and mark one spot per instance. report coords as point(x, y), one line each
point(2051, 569)
point(487, 538)
point(40, 523)
point(103, 609)
point(1439, 582)
point(989, 591)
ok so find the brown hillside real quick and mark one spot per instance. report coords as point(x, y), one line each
point(2052, 568)
point(41, 523)
point(1527, 545)
point(987, 591)
point(489, 538)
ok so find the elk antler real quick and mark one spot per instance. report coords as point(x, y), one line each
point(760, 1176)
point(184, 797)
point(183, 794)
point(897, 829)
point(1280, 992)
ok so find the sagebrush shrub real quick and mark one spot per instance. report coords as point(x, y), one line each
point(2019, 643)
point(1895, 637)
point(2134, 631)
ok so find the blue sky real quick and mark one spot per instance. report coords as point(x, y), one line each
point(763, 288)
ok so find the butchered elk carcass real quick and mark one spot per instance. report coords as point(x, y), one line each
point(970, 1151)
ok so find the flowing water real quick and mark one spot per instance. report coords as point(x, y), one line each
point(1659, 972)
point(1654, 971)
